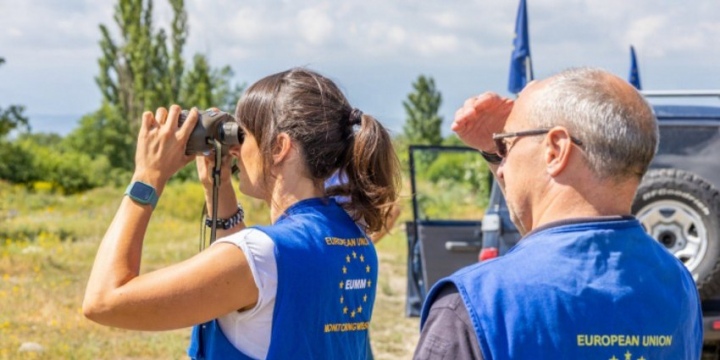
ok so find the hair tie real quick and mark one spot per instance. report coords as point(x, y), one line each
point(355, 116)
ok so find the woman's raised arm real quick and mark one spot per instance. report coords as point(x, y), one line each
point(201, 288)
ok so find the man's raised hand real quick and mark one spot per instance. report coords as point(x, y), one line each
point(480, 117)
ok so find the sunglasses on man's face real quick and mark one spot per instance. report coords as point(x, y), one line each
point(502, 147)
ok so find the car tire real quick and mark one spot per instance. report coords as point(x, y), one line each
point(682, 211)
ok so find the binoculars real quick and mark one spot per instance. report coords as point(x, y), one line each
point(212, 125)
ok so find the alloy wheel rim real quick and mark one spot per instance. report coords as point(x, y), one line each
point(679, 228)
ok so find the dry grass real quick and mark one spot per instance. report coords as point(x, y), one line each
point(393, 335)
point(47, 245)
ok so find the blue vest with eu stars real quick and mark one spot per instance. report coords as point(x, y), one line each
point(600, 290)
point(327, 275)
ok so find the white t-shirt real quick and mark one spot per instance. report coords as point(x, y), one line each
point(249, 331)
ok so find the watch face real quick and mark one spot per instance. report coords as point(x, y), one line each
point(141, 191)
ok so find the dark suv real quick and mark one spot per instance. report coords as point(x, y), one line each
point(678, 203)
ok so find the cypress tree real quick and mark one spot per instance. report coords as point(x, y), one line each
point(137, 72)
point(422, 125)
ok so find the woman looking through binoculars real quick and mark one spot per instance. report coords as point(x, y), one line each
point(303, 287)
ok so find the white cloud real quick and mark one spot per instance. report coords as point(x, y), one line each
point(251, 25)
point(437, 44)
point(465, 44)
point(396, 35)
point(315, 26)
point(14, 32)
point(48, 26)
point(642, 33)
point(336, 30)
point(446, 19)
point(663, 35)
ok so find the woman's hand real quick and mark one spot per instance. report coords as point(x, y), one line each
point(227, 199)
point(161, 145)
point(205, 166)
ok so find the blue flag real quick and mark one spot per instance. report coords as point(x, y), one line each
point(634, 78)
point(520, 65)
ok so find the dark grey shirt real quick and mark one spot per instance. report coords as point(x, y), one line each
point(448, 332)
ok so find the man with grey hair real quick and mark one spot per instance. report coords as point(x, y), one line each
point(585, 281)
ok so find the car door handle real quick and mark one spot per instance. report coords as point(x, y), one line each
point(463, 246)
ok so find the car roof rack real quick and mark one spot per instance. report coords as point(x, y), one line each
point(681, 93)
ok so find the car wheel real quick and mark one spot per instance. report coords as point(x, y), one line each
point(682, 212)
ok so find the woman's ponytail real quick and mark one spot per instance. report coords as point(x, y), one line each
point(372, 170)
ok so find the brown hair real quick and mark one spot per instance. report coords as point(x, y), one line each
point(332, 136)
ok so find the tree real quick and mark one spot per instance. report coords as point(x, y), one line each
point(141, 71)
point(197, 85)
point(104, 133)
point(226, 94)
point(204, 87)
point(12, 117)
point(178, 36)
point(138, 72)
point(422, 125)
point(50, 140)
point(16, 165)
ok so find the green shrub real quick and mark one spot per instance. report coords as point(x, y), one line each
point(69, 172)
point(467, 170)
point(452, 185)
point(16, 165)
point(104, 133)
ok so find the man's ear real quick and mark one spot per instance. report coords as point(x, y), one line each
point(558, 146)
point(281, 149)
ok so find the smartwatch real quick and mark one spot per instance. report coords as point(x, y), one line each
point(142, 193)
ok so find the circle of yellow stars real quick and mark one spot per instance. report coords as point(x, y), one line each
point(350, 257)
point(628, 356)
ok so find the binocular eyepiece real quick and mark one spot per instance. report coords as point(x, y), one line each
point(212, 125)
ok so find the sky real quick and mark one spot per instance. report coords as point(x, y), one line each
point(374, 49)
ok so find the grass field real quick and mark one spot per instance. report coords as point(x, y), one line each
point(47, 246)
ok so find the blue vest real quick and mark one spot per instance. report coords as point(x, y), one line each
point(327, 275)
point(599, 290)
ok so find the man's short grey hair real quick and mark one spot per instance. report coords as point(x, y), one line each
point(618, 128)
